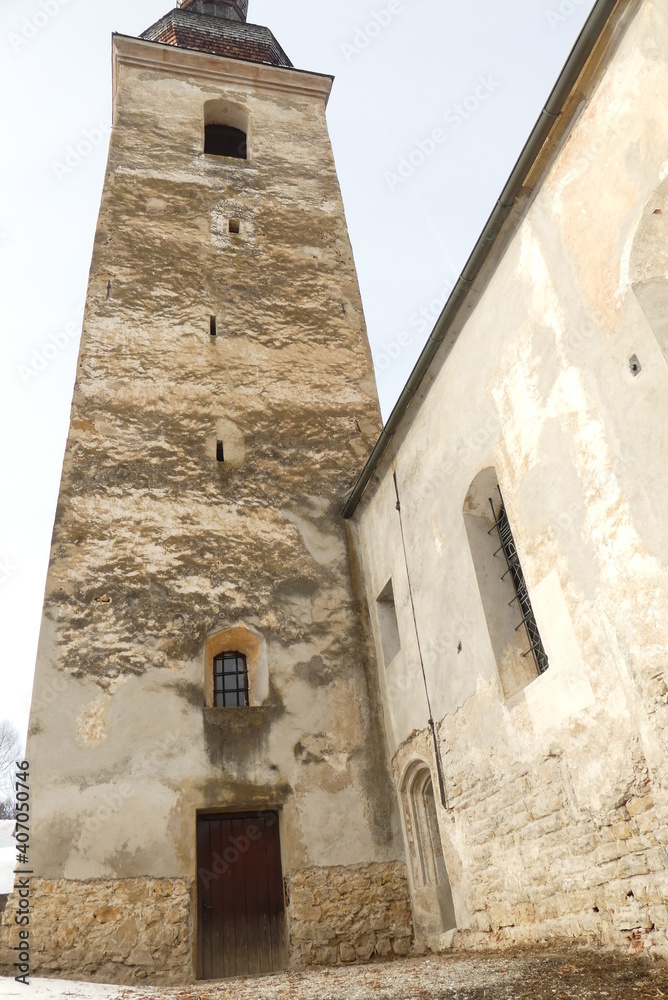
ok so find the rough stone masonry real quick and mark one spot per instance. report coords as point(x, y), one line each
point(199, 513)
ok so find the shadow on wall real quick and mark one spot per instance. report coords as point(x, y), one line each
point(497, 589)
point(648, 265)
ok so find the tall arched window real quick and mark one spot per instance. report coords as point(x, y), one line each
point(511, 623)
point(230, 681)
point(432, 894)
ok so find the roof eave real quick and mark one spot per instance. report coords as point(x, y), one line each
point(548, 123)
point(146, 54)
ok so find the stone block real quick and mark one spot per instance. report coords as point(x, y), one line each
point(106, 914)
point(501, 915)
point(622, 831)
point(299, 912)
point(640, 805)
point(365, 949)
point(325, 956)
point(383, 947)
point(347, 953)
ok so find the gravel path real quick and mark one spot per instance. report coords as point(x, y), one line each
point(548, 975)
point(510, 976)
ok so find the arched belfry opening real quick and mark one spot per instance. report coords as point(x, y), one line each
point(226, 128)
point(224, 140)
point(433, 905)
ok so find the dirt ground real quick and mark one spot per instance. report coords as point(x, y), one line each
point(520, 975)
point(563, 975)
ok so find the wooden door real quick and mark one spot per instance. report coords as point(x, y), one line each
point(240, 897)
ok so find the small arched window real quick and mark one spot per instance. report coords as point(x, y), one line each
point(236, 668)
point(225, 140)
point(226, 129)
point(230, 681)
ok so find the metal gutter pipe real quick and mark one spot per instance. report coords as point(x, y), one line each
point(549, 116)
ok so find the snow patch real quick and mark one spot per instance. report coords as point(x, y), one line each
point(52, 989)
point(7, 856)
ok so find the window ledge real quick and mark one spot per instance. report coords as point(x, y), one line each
point(252, 715)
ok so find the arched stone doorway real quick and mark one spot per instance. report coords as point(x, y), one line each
point(433, 907)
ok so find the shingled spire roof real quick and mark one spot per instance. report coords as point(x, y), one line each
point(220, 28)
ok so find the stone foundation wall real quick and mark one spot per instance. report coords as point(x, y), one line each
point(131, 930)
point(120, 931)
point(340, 915)
point(537, 867)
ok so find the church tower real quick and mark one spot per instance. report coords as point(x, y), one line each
point(210, 795)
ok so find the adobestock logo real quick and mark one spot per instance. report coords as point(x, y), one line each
point(6, 571)
point(561, 14)
point(31, 26)
point(453, 118)
point(58, 342)
point(421, 323)
point(75, 154)
point(366, 33)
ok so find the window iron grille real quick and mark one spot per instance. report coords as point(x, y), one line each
point(230, 681)
point(509, 549)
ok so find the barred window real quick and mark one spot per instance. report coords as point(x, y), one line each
point(513, 630)
point(514, 570)
point(230, 681)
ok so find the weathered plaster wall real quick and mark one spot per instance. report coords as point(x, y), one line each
point(157, 546)
point(557, 804)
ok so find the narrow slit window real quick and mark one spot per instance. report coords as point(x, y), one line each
point(224, 140)
point(213, 326)
point(235, 226)
point(220, 451)
point(230, 681)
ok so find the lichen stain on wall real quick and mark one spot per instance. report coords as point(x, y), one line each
point(91, 724)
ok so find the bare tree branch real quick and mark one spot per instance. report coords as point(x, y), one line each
point(10, 751)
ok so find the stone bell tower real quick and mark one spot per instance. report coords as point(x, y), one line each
point(210, 795)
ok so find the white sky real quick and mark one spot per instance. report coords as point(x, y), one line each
point(395, 84)
point(7, 856)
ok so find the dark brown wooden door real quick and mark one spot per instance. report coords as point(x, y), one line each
point(241, 903)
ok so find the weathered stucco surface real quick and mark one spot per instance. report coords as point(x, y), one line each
point(557, 800)
point(158, 546)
